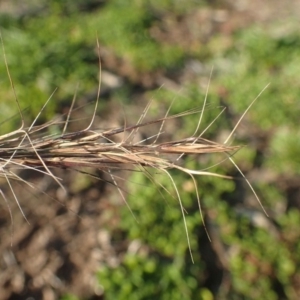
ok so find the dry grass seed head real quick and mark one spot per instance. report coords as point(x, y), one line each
point(91, 148)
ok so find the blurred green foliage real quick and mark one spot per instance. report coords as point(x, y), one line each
point(57, 49)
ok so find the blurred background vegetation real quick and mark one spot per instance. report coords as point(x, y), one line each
point(164, 50)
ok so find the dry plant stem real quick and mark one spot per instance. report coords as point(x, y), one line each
point(83, 149)
point(23, 148)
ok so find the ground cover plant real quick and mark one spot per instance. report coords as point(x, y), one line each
point(145, 45)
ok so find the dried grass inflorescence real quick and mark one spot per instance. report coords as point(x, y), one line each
point(89, 148)
point(32, 148)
